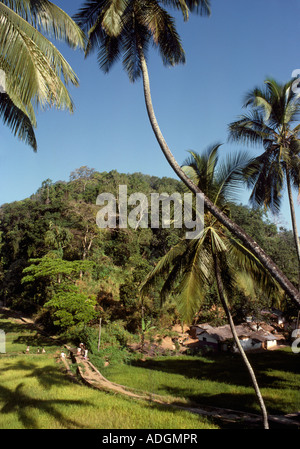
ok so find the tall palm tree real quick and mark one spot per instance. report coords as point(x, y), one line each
point(36, 74)
point(274, 110)
point(216, 256)
point(129, 26)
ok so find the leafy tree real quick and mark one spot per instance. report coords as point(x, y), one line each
point(32, 65)
point(71, 308)
point(273, 111)
point(192, 265)
point(58, 238)
point(82, 175)
point(128, 27)
point(47, 186)
point(25, 224)
point(54, 268)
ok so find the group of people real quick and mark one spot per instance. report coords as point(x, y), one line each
point(81, 350)
point(38, 350)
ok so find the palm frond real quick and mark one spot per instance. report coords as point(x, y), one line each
point(201, 168)
point(266, 176)
point(48, 18)
point(163, 266)
point(112, 19)
point(161, 25)
point(132, 24)
point(202, 7)
point(250, 129)
point(193, 283)
point(243, 258)
point(33, 66)
point(230, 176)
point(17, 121)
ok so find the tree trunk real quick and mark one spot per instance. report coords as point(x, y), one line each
point(294, 223)
point(248, 242)
point(225, 305)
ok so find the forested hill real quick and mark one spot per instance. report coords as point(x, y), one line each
point(53, 235)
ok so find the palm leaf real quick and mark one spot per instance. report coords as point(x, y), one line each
point(163, 266)
point(191, 288)
point(33, 66)
point(230, 176)
point(48, 18)
point(17, 121)
point(243, 258)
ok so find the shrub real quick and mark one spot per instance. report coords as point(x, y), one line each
point(113, 344)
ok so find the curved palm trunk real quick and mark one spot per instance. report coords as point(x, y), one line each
point(248, 242)
point(237, 341)
point(294, 223)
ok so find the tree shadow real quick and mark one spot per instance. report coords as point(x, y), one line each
point(47, 376)
point(227, 368)
point(22, 404)
point(36, 341)
point(11, 327)
point(227, 420)
point(26, 333)
point(230, 369)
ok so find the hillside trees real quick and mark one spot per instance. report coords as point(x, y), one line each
point(120, 257)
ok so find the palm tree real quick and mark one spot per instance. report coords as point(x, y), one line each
point(215, 256)
point(273, 111)
point(129, 26)
point(36, 74)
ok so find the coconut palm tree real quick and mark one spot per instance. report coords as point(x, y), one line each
point(127, 28)
point(192, 266)
point(35, 72)
point(274, 110)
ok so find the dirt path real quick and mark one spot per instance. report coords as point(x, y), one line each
point(93, 378)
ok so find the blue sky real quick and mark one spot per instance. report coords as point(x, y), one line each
point(227, 54)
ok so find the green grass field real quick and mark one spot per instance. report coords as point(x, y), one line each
point(36, 393)
point(219, 380)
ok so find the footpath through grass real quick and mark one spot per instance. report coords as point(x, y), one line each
point(36, 394)
point(219, 380)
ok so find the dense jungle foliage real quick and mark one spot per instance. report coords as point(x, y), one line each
point(58, 265)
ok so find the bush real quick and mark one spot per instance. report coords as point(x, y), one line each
point(113, 344)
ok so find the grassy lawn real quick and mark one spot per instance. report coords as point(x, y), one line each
point(219, 380)
point(19, 336)
point(36, 394)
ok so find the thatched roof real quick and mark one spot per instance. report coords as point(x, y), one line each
point(223, 333)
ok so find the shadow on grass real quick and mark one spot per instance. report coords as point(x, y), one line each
point(229, 369)
point(227, 421)
point(17, 328)
point(20, 403)
point(26, 333)
point(47, 376)
point(36, 341)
